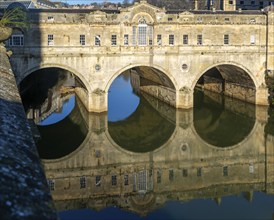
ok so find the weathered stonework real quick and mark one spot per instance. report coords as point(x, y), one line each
point(24, 192)
point(245, 58)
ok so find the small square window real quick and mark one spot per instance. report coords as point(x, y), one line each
point(199, 39)
point(113, 40)
point(126, 39)
point(171, 40)
point(185, 39)
point(82, 39)
point(126, 180)
point(82, 182)
point(98, 181)
point(226, 39)
point(97, 40)
point(159, 40)
point(113, 180)
point(225, 171)
point(252, 39)
point(50, 40)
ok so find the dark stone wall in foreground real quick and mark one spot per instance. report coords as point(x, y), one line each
point(24, 193)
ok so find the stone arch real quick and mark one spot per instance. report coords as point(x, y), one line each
point(120, 71)
point(235, 64)
point(55, 65)
point(136, 18)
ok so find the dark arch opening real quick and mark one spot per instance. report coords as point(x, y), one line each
point(60, 139)
point(51, 106)
point(223, 116)
point(42, 90)
point(146, 127)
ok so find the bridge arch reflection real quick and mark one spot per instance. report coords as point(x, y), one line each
point(222, 121)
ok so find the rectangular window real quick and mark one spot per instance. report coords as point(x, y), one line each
point(170, 19)
point(126, 39)
point(113, 180)
point(51, 184)
point(225, 171)
point(50, 18)
point(134, 36)
point(171, 39)
point(98, 181)
point(185, 173)
point(231, 2)
point(185, 39)
point(159, 40)
point(97, 40)
point(199, 39)
point(50, 40)
point(241, 2)
point(251, 168)
point(226, 39)
point(82, 182)
point(113, 40)
point(159, 176)
point(126, 180)
point(171, 175)
point(142, 180)
point(199, 172)
point(142, 35)
point(16, 40)
point(82, 39)
point(252, 39)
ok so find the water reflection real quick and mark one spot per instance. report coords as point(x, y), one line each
point(60, 139)
point(222, 121)
point(159, 161)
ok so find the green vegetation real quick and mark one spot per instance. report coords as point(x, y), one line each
point(15, 17)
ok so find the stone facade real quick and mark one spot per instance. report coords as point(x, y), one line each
point(183, 46)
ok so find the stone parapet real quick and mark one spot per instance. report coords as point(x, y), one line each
point(24, 192)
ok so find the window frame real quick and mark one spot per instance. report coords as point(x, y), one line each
point(82, 39)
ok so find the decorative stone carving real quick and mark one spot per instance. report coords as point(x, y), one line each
point(185, 90)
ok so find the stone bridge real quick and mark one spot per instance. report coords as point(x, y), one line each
point(171, 50)
point(184, 167)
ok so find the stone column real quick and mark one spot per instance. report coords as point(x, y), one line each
point(184, 98)
point(95, 101)
point(98, 100)
point(262, 96)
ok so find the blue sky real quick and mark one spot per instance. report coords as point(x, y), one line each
point(88, 1)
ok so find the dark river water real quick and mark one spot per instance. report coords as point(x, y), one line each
point(146, 160)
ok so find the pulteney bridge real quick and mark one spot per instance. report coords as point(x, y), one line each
point(171, 51)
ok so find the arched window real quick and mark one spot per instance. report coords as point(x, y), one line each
point(143, 33)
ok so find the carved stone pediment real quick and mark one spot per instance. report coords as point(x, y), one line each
point(96, 16)
point(186, 13)
point(143, 9)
